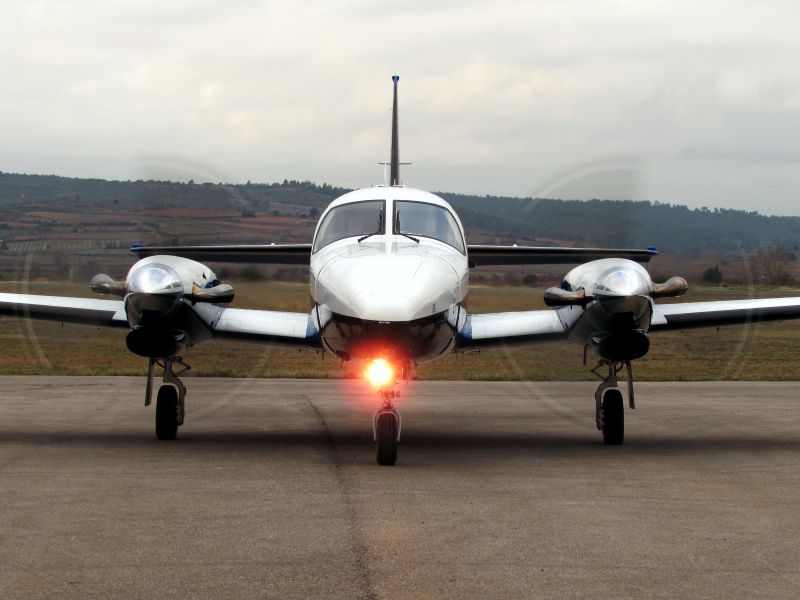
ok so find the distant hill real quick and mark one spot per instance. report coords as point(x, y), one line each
point(31, 205)
point(627, 223)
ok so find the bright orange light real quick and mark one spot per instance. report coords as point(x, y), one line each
point(379, 373)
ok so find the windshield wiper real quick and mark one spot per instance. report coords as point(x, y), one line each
point(378, 232)
point(397, 228)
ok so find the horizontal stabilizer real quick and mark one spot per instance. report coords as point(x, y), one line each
point(484, 256)
point(283, 254)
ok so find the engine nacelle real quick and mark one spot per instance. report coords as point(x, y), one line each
point(159, 293)
point(623, 345)
point(155, 343)
point(156, 286)
point(611, 277)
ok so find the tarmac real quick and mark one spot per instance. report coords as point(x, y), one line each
point(502, 490)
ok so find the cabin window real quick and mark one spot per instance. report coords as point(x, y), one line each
point(350, 220)
point(427, 220)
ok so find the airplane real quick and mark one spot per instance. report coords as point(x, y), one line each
point(389, 282)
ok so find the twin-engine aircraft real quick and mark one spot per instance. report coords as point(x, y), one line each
point(389, 280)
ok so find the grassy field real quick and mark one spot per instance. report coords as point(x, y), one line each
point(758, 352)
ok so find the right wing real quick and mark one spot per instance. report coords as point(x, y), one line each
point(85, 311)
point(509, 328)
point(689, 315)
point(516, 328)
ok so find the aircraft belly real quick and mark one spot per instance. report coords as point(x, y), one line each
point(420, 340)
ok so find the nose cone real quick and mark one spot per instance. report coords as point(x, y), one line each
point(392, 306)
point(623, 281)
point(154, 278)
point(388, 288)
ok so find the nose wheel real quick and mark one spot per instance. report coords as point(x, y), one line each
point(387, 437)
point(386, 429)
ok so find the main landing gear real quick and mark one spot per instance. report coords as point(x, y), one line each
point(609, 412)
point(170, 401)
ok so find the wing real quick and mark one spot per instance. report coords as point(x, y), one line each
point(86, 311)
point(687, 315)
point(509, 328)
point(268, 327)
point(480, 255)
point(264, 326)
point(284, 254)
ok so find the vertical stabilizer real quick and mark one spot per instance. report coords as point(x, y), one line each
point(394, 169)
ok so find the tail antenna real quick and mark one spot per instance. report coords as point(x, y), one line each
point(394, 174)
point(394, 160)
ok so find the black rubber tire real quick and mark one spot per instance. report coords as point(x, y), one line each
point(387, 429)
point(167, 413)
point(613, 418)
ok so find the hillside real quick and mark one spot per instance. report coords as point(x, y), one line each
point(35, 207)
point(56, 227)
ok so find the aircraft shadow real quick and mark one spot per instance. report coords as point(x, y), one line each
point(423, 441)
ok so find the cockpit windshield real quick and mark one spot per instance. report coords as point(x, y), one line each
point(427, 220)
point(349, 220)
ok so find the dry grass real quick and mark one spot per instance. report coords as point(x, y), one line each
point(757, 352)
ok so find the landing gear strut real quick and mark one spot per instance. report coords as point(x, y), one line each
point(609, 412)
point(170, 402)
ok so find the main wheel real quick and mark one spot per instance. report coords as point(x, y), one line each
point(613, 418)
point(167, 413)
point(387, 430)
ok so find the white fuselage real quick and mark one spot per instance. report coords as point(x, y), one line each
point(389, 293)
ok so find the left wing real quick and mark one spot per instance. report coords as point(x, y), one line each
point(509, 328)
point(86, 311)
point(688, 315)
point(297, 330)
point(265, 326)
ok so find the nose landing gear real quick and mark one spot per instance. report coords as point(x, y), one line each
point(387, 422)
point(386, 428)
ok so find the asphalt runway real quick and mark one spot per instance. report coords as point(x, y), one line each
point(502, 490)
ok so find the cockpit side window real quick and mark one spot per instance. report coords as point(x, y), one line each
point(427, 220)
point(349, 220)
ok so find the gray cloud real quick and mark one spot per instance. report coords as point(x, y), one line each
point(701, 98)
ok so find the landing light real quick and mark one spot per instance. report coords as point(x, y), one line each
point(379, 372)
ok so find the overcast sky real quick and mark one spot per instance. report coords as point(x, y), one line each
point(692, 103)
